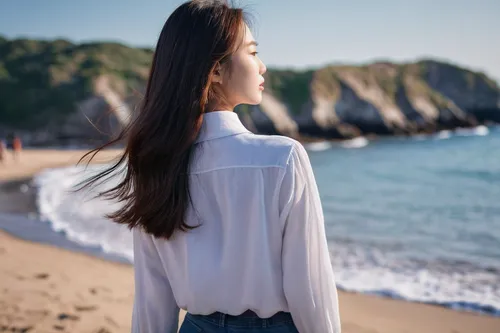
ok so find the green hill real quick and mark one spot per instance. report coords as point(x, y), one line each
point(40, 80)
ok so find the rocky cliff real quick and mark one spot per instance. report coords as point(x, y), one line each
point(54, 92)
point(380, 98)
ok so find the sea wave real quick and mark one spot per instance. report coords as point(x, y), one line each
point(358, 142)
point(79, 214)
point(474, 131)
point(455, 284)
point(318, 146)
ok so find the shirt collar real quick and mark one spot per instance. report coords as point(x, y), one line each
point(218, 124)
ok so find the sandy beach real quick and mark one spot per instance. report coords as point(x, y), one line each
point(44, 288)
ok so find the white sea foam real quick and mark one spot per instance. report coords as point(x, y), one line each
point(318, 146)
point(476, 131)
point(79, 215)
point(359, 142)
point(442, 135)
point(457, 285)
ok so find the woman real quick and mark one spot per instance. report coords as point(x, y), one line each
point(226, 224)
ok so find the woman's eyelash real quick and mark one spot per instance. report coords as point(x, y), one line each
point(255, 53)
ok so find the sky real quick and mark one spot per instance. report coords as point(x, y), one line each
point(291, 33)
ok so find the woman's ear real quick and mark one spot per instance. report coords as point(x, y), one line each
point(217, 77)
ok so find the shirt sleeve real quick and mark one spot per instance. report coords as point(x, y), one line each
point(308, 278)
point(155, 308)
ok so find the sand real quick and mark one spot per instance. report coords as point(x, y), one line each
point(48, 289)
point(30, 162)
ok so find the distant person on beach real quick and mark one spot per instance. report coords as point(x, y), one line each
point(14, 143)
point(3, 149)
point(17, 146)
point(9, 143)
point(227, 225)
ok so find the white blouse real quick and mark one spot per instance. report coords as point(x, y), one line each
point(261, 244)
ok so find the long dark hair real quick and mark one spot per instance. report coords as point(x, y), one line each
point(159, 141)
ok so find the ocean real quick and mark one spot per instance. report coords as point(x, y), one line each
point(408, 218)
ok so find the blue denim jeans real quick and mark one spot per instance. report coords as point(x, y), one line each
point(247, 322)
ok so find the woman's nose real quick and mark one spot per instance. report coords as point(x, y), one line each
point(263, 68)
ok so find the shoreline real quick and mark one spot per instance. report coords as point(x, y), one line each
point(73, 267)
point(45, 234)
point(48, 296)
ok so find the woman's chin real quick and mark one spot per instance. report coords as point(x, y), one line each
point(256, 99)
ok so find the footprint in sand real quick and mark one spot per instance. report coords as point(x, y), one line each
point(99, 290)
point(65, 316)
point(42, 276)
point(82, 308)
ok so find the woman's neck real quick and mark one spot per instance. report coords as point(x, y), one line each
point(211, 107)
